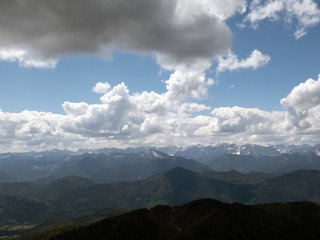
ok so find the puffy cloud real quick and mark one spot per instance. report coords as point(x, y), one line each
point(13, 55)
point(221, 8)
point(189, 108)
point(151, 102)
point(101, 87)
point(305, 12)
point(118, 93)
point(124, 115)
point(304, 96)
point(228, 121)
point(75, 109)
point(37, 33)
point(33, 130)
point(186, 82)
point(303, 104)
point(186, 85)
point(151, 126)
point(125, 119)
point(114, 117)
point(231, 62)
point(248, 120)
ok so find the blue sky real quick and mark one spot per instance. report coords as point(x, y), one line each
point(292, 62)
point(72, 80)
point(174, 72)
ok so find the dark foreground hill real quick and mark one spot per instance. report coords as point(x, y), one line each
point(202, 219)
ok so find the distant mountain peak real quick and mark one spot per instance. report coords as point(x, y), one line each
point(152, 153)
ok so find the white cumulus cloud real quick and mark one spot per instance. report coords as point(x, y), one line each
point(305, 12)
point(304, 96)
point(149, 118)
point(231, 61)
point(24, 60)
point(303, 105)
point(101, 87)
point(189, 108)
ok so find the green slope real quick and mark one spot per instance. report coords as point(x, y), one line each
point(174, 187)
point(18, 214)
point(301, 185)
point(238, 177)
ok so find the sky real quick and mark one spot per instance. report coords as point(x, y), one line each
point(116, 73)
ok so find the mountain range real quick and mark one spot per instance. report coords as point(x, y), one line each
point(101, 167)
point(110, 165)
point(38, 188)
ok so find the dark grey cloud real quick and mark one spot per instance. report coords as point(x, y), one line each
point(47, 29)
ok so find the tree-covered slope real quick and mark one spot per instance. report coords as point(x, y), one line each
point(201, 219)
